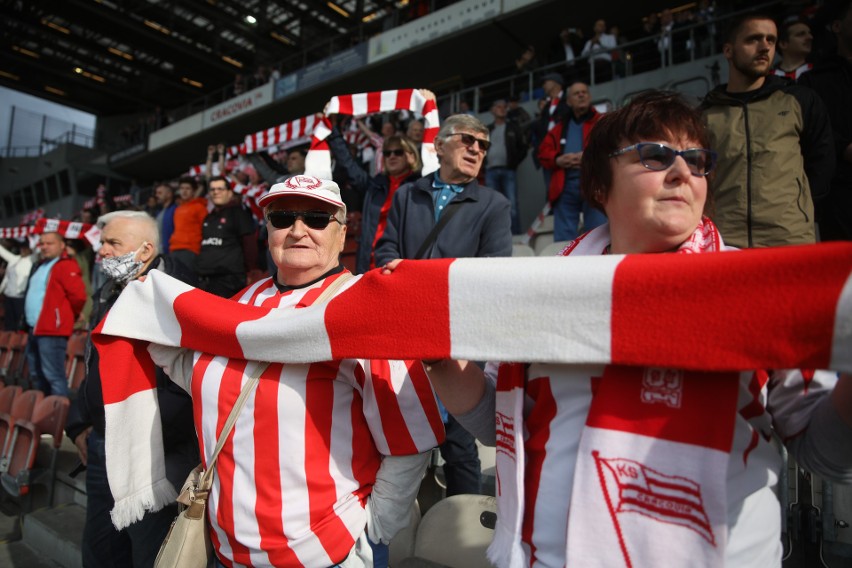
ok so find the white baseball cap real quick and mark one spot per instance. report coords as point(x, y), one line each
point(306, 186)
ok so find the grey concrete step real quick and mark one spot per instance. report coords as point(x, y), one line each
point(68, 489)
point(14, 553)
point(19, 555)
point(48, 537)
point(55, 533)
point(10, 524)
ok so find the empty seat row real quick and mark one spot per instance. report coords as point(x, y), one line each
point(26, 415)
point(75, 359)
point(14, 369)
point(13, 347)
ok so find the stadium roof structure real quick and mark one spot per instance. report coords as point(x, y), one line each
point(113, 57)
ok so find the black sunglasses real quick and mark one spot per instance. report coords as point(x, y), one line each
point(469, 139)
point(397, 152)
point(659, 157)
point(313, 219)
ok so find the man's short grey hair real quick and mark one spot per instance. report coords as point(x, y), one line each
point(459, 122)
point(151, 232)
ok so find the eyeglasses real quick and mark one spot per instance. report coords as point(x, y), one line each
point(396, 152)
point(469, 139)
point(658, 157)
point(313, 219)
point(219, 188)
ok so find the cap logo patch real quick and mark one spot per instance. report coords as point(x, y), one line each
point(303, 182)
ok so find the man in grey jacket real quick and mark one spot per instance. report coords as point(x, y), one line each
point(482, 225)
point(447, 214)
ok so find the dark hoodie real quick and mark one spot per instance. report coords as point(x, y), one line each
point(832, 80)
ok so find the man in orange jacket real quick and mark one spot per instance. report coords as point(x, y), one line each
point(54, 299)
point(185, 242)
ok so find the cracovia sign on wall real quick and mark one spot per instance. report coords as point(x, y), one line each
point(238, 106)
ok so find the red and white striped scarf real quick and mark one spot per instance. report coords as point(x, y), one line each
point(318, 160)
point(69, 230)
point(624, 455)
point(250, 194)
point(624, 310)
point(551, 110)
point(15, 232)
point(32, 216)
point(284, 135)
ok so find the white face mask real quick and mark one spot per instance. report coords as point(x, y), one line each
point(122, 268)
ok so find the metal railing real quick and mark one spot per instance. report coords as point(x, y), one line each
point(76, 136)
point(700, 40)
point(316, 51)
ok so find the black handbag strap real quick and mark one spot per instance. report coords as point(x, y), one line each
point(448, 213)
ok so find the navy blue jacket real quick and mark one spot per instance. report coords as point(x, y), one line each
point(481, 227)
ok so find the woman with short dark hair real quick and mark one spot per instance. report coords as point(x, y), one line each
point(614, 465)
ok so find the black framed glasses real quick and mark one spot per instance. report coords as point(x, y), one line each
point(469, 139)
point(314, 219)
point(395, 152)
point(659, 157)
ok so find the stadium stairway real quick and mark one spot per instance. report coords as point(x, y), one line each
point(48, 537)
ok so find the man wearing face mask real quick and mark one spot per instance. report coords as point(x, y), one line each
point(130, 246)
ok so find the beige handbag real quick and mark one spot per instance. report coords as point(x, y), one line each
point(187, 544)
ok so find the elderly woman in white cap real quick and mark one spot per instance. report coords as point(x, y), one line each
point(326, 460)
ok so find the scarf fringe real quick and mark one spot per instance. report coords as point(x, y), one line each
point(133, 507)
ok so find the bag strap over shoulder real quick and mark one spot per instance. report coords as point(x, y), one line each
point(450, 210)
point(251, 383)
point(207, 479)
point(332, 289)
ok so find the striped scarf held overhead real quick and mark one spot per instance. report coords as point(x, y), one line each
point(282, 136)
point(69, 230)
point(318, 160)
point(589, 310)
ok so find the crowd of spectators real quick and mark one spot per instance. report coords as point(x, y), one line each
point(364, 138)
point(260, 76)
point(182, 205)
point(213, 227)
point(672, 35)
point(661, 38)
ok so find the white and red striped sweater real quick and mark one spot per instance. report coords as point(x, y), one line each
point(293, 480)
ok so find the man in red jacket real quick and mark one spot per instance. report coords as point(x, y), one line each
point(55, 296)
point(560, 152)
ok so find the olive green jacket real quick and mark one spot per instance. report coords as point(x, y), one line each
point(775, 157)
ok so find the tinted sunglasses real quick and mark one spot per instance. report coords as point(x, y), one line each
point(397, 152)
point(469, 139)
point(659, 157)
point(313, 219)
